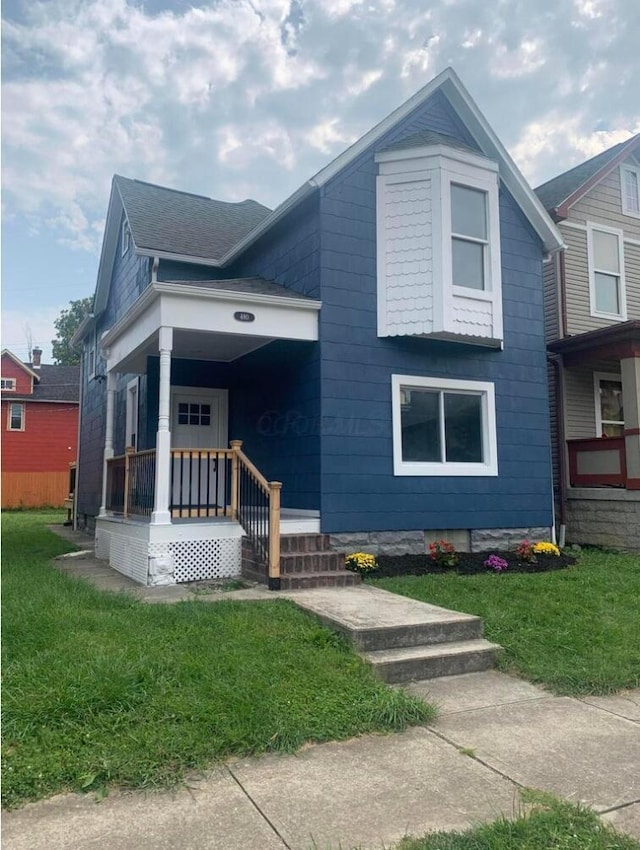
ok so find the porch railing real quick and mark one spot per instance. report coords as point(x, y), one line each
point(204, 483)
point(597, 462)
point(255, 503)
point(201, 482)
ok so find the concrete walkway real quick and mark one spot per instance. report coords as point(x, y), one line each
point(495, 735)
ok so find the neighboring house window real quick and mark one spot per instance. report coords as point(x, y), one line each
point(16, 417)
point(91, 359)
point(8, 384)
point(443, 427)
point(438, 245)
point(609, 407)
point(630, 185)
point(606, 272)
point(126, 237)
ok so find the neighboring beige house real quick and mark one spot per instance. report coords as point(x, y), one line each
point(592, 314)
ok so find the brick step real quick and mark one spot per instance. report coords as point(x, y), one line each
point(311, 562)
point(331, 578)
point(429, 662)
point(294, 543)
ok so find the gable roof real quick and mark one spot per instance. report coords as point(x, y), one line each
point(174, 222)
point(6, 353)
point(561, 192)
point(51, 383)
point(249, 220)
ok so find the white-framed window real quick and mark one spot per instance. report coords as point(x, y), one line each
point(126, 236)
point(608, 404)
point(630, 187)
point(8, 384)
point(15, 417)
point(90, 355)
point(438, 257)
point(605, 249)
point(443, 426)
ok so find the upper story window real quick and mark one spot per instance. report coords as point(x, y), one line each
point(126, 236)
point(443, 426)
point(630, 185)
point(438, 245)
point(15, 417)
point(469, 243)
point(8, 384)
point(606, 272)
point(90, 355)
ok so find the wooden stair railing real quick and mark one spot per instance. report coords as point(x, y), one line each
point(255, 503)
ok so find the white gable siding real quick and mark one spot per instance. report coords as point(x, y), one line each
point(408, 261)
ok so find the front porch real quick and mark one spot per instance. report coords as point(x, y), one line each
point(188, 362)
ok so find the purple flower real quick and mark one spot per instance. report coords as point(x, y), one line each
point(493, 562)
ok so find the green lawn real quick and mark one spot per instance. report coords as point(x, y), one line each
point(101, 689)
point(553, 826)
point(576, 631)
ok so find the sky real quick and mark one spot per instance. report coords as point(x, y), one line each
point(249, 98)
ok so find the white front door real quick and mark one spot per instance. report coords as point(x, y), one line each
point(198, 421)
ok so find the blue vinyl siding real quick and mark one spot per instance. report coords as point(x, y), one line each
point(359, 489)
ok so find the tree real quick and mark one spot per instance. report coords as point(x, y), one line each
point(66, 325)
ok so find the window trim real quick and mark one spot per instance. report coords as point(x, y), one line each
point(622, 294)
point(132, 413)
point(485, 389)
point(604, 376)
point(11, 405)
point(126, 236)
point(623, 197)
point(8, 389)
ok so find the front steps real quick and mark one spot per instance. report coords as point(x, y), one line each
point(403, 639)
point(306, 561)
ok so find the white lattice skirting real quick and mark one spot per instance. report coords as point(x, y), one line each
point(169, 554)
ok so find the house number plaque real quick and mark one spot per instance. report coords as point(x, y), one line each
point(243, 316)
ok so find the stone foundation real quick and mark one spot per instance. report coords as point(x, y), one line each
point(604, 517)
point(417, 542)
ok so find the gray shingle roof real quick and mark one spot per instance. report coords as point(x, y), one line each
point(555, 191)
point(250, 285)
point(428, 137)
point(180, 223)
point(57, 383)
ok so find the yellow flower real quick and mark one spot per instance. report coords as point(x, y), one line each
point(545, 548)
point(360, 562)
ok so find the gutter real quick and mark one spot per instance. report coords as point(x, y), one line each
point(556, 363)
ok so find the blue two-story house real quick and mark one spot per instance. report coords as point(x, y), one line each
point(365, 363)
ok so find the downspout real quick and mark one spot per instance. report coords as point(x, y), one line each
point(556, 362)
point(564, 332)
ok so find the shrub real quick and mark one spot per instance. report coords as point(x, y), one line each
point(443, 553)
point(545, 548)
point(360, 562)
point(495, 562)
point(525, 552)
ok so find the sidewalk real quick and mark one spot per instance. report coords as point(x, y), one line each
point(495, 735)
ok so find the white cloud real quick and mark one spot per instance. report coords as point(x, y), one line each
point(17, 325)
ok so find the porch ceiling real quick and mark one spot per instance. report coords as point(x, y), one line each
point(209, 323)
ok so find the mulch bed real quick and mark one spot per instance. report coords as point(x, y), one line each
point(469, 563)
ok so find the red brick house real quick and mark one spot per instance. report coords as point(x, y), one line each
point(39, 430)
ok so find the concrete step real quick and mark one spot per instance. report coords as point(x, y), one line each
point(293, 543)
point(405, 664)
point(330, 578)
point(311, 562)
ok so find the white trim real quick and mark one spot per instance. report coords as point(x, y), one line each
point(622, 294)
point(474, 160)
point(132, 418)
point(484, 389)
point(597, 377)
point(573, 225)
point(625, 166)
point(126, 236)
point(11, 382)
point(23, 415)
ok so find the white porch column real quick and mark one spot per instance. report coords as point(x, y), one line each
point(630, 368)
point(161, 514)
point(108, 437)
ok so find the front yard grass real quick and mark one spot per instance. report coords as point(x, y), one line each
point(553, 825)
point(101, 689)
point(576, 631)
